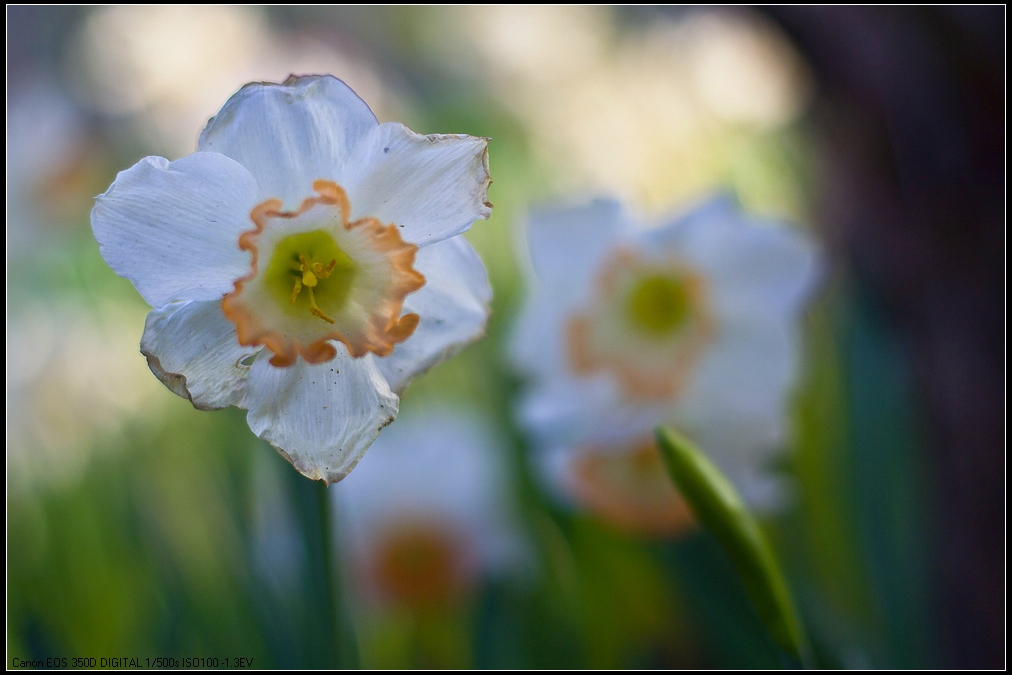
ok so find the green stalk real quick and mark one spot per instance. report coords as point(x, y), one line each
point(344, 647)
point(721, 510)
point(329, 640)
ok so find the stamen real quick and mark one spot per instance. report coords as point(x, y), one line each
point(324, 272)
point(308, 278)
point(310, 281)
point(313, 309)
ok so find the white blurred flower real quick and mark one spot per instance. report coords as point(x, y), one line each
point(691, 324)
point(280, 256)
point(73, 377)
point(427, 514)
point(54, 167)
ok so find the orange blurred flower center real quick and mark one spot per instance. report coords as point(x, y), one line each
point(630, 489)
point(422, 566)
point(648, 326)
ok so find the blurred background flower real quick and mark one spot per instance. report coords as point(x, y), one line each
point(691, 323)
point(138, 525)
point(426, 519)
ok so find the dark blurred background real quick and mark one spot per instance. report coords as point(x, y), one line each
point(912, 117)
point(137, 525)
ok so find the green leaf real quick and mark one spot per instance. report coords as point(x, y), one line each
point(720, 510)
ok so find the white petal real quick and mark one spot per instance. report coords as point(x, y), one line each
point(752, 266)
point(585, 410)
point(538, 344)
point(568, 247)
point(172, 228)
point(757, 277)
point(763, 270)
point(453, 306)
point(321, 417)
point(289, 135)
point(433, 187)
point(193, 349)
point(746, 376)
point(717, 212)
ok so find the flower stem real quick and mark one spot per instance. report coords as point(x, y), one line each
point(344, 650)
point(328, 635)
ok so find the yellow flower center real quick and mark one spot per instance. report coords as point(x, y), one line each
point(658, 305)
point(311, 262)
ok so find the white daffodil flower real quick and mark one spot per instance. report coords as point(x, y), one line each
point(427, 513)
point(692, 324)
point(305, 264)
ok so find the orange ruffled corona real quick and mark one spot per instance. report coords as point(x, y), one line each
point(366, 310)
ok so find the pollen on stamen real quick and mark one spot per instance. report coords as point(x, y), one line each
point(314, 309)
point(324, 272)
point(310, 278)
